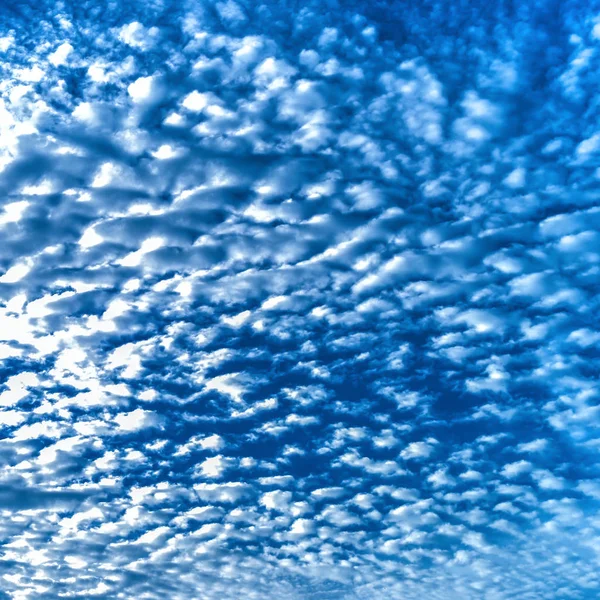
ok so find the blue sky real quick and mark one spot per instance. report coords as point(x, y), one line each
point(299, 300)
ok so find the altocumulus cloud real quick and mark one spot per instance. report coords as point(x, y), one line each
point(299, 300)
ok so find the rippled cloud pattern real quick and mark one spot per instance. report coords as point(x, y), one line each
point(299, 300)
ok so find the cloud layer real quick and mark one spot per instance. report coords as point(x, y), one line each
point(300, 301)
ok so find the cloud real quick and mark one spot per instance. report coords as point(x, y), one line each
point(299, 303)
point(134, 34)
point(135, 420)
point(417, 450)
point(214, 467)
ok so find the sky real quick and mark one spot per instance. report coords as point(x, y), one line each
point(299, 300)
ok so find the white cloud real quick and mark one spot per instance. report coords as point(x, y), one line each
point(145, 89)
point(214, 466)
point(276, 500)
point(537, 445)
point(199, 101)
point(134, 34)
point(229, 492)
point(212, 442)
point(516, 468)
point(61, 54)
point(15, 273)
point(329, 493)
point(136, 420)
point(417, 450)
